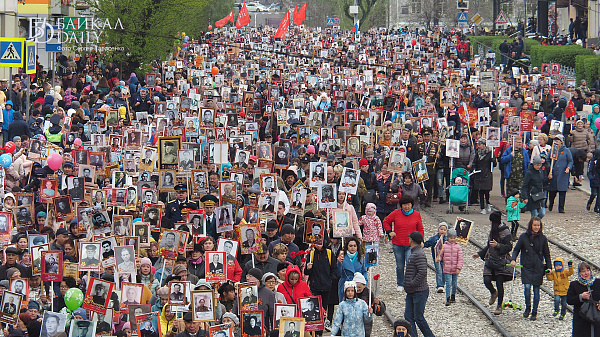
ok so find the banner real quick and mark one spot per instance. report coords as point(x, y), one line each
point(283, 27)
point(243, 18)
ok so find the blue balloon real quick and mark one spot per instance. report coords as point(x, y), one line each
point(5, 160)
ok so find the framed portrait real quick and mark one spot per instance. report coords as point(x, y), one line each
point(89, 258)
point(298, 199)
point(247, 296)
point(283, 311)
point(221, 330)
point(149, 324)
point(268, 182)
point(314, 231)
point(452, 148)
point(252, 323)
point(227, 192)
point(71, 269)
point(131, 294)
point(199, 181)
point(97, 160)
point(196, 219)
point(103, 323)
point(52, 323)
point(282, 157)
point(267, 202)
point(135, 310)
point(207, 116)
point(310, 309)
point(151, 214)
point(142, 231)
point(24, 220)
point(148, 196)
point(11, 304)
point(169, 243)
point(250, 238)
point(341, 224)
point(229, 247)
point(420, 170)
point(264, 151)
point(327, 195)
point(48, 190)
point(167, 180)
point(353, 146)
point(318, 174)
point(132, 241)
point(349, 180)
point(125, 259)
point(21, 286)
point(291, 326)
point(186, 159)
point(52, 268)
point(122, 225)
point(177, 291)
point(36, 257)
point(203, 308)
point(34, 239)
point(6, 224)
point(224, 218)
point(97, 295)
point(215, 267)
point(101, 222)
point(168, 149)
point(463, 230)
point(396, 163)
point(148, 158)
point(251, 212)
point(372, 254)
point(82, 328)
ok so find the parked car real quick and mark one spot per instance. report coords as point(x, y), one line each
point(256, 7)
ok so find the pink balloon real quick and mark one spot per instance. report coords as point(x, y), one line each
point(209, 27)
point(597, 123)
point(77, 141)
point(55, 161)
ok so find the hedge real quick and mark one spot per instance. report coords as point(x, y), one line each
point(587, 67)
point(495, 41)
point(564, 55)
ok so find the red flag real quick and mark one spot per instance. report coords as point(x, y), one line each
point(283, 26)
point(295, 12)
point(300, 15)
point(243, 18)
point(570, 111)
point(224, 20)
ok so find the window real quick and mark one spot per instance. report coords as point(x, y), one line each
point(404, 10)
point(415, 7)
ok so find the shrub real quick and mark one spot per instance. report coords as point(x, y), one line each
point(495, 41)
point(564, 55)
point(587, 67)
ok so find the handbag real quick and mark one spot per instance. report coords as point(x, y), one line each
point(589, 311)
point(496, 263)
point(392, 198)
point(538, 196)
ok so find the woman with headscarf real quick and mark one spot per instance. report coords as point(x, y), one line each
point(533, 247)
point(581, 291)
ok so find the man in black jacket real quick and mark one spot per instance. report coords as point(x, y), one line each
point(415, 285)
point(322, 271)
point(18, 127)
point(192, 329)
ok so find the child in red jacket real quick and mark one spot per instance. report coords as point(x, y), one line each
point(293, 287)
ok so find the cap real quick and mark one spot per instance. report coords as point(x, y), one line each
point(272, 225)
point(560, 137)
point(209, 200)
point(11, 250)
point(181, 188)
point(16, 138)
point(80, 312)
point(426, 131)
point(55, 119)
point(481, 141)
point(416, 236)
point(5, 284)
point(178, 269)
point(91, 247)
point(232, 317)
point(330, 157)
point(188, 316)
point(62, 231)
point(369, 153)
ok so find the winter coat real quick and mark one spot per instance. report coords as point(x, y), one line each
point(350, 318)
point(503, 249)
point(18, 127)
point(346, 271)
point(466, 155)
point(533, 182)
point(594, 170)
point(533, 250)
point(415, 276)
point(415, 192)
point(145, 280)
point(324, 270)
point(372, 229)
point(8, 115)
point(513, 207)
point(560, 278)
point(582, 140)
point(452, 257)
point(581, 327)
point(293, 292)
point(403, 226)
point(483, 180)
point(383, 187)
point(560, 179)
point(507, 161)
point(592, 118)
point(166, 324)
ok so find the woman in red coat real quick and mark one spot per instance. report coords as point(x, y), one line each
point(293, 287)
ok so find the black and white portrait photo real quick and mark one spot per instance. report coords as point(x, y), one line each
point(52, 323)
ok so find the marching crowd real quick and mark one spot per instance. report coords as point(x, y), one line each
point(294, 159)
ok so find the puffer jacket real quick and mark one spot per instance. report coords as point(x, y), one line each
point(350, 318)
point(560, 278)
point(582, 140)
point(466, 155)
point(293, 292)
point(415, 277)
point(166, 324)
point(452, 256)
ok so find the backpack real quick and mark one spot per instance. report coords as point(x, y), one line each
point(312, 255)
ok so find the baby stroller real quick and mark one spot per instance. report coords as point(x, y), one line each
point(459, 190)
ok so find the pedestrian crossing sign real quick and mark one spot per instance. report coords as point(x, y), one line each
point(30, 59)
point(11, 52)
point(462, 16)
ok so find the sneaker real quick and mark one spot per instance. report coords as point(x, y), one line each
point(561, 317)
point(484, 211)
point(503, 195)
point(400, 288)
point(328, 325)
point(489, 208)
point(435, 199)
point(555, 313)
point(440, 290)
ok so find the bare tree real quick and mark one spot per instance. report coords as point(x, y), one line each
point(364, 6)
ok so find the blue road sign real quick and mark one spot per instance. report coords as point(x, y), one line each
point(333, 21)
point(462, 17)
point(53, 39)
point(11, 52)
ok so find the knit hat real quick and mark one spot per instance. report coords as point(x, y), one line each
point(287, 229)
point(451, 233)
point(363, 162)
point(5, 284)
point(203, 283)
point(33, 305)
point(178, 269)
point(402, 322)
point(369, 153)
point(233, 317)
point(280, 267)
point(81, 312)
point(496, 217)
point(349, 284)
point(16, 138)
point(256, 273)
point(145, 261)
point(443, 224)
point(536, 160)
point(513, 192)
point(267, 275)
point(370, 206)
point(310, 149)
point(358, 278)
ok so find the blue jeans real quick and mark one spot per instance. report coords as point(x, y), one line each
point(539, 212)
point(414, 312)
point(451, 281)
point(439, 274)
point(4, 136)
point(401, 253)
point(536, 296)
point(562, 300)
point(439, 178)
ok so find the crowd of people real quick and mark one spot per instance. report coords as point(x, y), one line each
point(243, 186)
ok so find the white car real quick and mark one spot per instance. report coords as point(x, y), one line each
point(256, 7)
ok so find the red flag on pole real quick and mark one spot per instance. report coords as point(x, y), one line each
point(224, 20)
point(243, 18)
point(570, 110)
point(283, 26)
point(295, 12)
point(300, 15)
